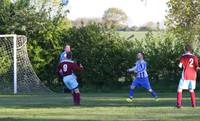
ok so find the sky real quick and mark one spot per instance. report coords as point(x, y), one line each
point(138, 12)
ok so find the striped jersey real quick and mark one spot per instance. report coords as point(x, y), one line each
point(140, 68)
point(62, 56)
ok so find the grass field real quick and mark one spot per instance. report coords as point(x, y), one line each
point(95, 107)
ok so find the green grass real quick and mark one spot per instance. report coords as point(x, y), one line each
point(95, 107)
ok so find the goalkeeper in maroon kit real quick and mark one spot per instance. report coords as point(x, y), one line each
point(189, 63)
point(65, 69)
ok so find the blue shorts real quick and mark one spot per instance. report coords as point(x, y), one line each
point(141, 82)
point(70, 82)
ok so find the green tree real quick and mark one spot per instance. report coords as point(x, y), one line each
point(44, 33)
point(183, 19)
point(103, 53)
point(80, 22)
point(115, 18)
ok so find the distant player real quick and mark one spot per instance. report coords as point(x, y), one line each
point(65, 69)
point(189, 63)
point(67, 49)
point(142, 79)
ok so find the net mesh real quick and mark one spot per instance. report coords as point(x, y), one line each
point(27, 80)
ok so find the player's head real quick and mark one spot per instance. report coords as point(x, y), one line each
point(188, 48)
point(68, 56)
point(140, 55)
point(67, 48)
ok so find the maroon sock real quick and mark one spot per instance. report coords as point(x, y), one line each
point(179, 99)
point(74, 97)
point(193, 98)
point(78, 99)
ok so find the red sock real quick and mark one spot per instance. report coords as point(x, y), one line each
point(78, 99)
point(193, 98)
point(74, 97)
point(179, 99)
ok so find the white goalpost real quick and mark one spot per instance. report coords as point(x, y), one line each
point(16, 72)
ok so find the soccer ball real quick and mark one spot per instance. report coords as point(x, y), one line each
point(64, 2)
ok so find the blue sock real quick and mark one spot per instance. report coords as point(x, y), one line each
point(153, 93)
point(131, 93)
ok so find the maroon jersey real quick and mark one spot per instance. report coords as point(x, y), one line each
point(67, 67)
point(190, 66)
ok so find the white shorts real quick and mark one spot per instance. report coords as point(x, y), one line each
point(70, 81)
point(187, 84)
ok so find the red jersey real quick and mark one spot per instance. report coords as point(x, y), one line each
point(67, 67)
point(190, 66)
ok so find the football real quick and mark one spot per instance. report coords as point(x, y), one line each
point(64, 2)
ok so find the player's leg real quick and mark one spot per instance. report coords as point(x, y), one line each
point(132, 88)
point(146, 84)
point(77, 96)
point(72, 84)
point(181, 86)
point(74, 97)
point(179, 98)
point(192, 87)
point(193, 98)
point(153, 94)
point(76, 93)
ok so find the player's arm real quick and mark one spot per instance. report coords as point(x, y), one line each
point(133, 69)
point(62, 56)
point(181, 63)
point(77, 67)
point(196, 61)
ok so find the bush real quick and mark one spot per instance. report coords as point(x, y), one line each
point(106, 57)
point(103, 53)
point(162, 54)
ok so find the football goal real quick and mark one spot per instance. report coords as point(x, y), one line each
point(16, 72)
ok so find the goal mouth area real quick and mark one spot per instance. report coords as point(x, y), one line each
point(16, 72)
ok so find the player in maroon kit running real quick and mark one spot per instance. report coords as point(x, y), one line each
point(65, 69)
point(189, 63)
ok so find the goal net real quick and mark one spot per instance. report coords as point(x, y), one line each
point(16, 72)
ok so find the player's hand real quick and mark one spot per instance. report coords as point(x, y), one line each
point(81, 66)
point(198, 68)
point(128, 71)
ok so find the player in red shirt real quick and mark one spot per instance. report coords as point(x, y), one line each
point(65, 69)
point(189, 63)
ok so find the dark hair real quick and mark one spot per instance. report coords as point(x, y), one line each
point(188, 47)
point(141, 53)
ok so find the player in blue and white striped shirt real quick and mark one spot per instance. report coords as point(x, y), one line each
point(142, 79)
point(67, 49)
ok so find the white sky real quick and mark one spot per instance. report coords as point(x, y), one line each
point(138, 13)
